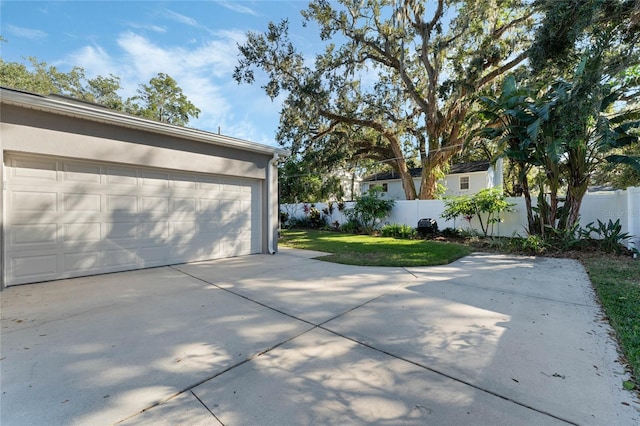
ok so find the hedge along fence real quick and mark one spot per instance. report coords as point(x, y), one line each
point(623, 205)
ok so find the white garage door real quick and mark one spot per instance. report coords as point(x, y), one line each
point(67, 218)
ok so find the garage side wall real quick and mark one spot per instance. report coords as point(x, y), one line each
point(43, 133)
point(1, 214)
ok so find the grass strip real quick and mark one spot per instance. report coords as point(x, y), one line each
point(364, 250)
point(617, 284)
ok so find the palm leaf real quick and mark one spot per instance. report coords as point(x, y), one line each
point(629, 160)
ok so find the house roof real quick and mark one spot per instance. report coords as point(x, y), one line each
point(64, 105)
point(470, 167)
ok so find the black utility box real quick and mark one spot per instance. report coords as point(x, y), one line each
point(427, 226)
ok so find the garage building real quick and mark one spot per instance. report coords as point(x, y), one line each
point(87, 190)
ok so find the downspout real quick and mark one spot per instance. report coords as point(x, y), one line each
point(270, 213)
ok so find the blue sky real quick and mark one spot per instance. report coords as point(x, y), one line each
point(192, 41)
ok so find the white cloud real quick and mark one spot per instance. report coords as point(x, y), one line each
point(28, 33)
point(147, 59)
point(154, 28)
point(203, 71)
point(94, 59)
point(181, 18)
point(237, 7)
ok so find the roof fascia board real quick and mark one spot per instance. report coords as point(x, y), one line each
point(88, 112)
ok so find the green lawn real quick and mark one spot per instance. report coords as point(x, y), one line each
point(373, 251)
point(617, 283)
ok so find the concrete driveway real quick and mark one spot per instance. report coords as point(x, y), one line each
point(285, 339)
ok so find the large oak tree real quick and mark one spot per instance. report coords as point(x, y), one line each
point(408, 70)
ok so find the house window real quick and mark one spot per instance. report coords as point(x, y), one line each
point(464, 183)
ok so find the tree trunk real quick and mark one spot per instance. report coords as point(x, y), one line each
point(575, 193)
point(428, 186)
point(524, 181)
point(407, 182)
point(432, 171)
point(578, 182)
point(405, 177)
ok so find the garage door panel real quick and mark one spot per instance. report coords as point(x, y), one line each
point(117, 231)
point(208, 183)
point(38, 234)
point(155, 204)
point(183, 184)
point(155, 255)
point(122, 202)
point(121, 176)
point(82, 261)
point(81, 232)
point(38, 267)
point(25, 170)
point(120, 258)
point(82, 202)
point(155, 179)
point(181, 228)
point(183, 205)
point(236, 247)
point(34, 201)
point(209, 207)
point(81, 172)
point(98, 217)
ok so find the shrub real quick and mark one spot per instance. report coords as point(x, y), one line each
point(316, 219)
point(610, 236)
point(299, 222)
point(284, 217)
point(450, 232)
point(351, 226)
point(370, 209)
point(486, 205)
point(395, 230)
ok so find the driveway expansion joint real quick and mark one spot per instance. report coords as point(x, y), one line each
point(515, 293)
point(205, 406)
point(448, 376)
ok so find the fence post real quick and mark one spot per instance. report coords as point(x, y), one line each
point(633, 217)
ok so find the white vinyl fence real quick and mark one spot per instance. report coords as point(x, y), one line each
point(614, 205)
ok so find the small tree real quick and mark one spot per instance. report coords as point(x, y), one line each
point(486, 205)
point(370, 209)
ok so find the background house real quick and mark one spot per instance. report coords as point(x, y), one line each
point(350, 183)
point(462, 179)
point(88, 190)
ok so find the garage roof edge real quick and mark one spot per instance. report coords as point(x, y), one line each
point(60, 105)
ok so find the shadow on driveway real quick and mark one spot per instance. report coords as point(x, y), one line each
point(285, 339)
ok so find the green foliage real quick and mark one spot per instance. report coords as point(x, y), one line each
point(351, 226)
point(316, 218)
point(619, 175)
point(284, 218)
point(533, 244)
point(534, 129)
point(450, 233)
point(426, 64)
point(617, 283)
point(486, 205)
point(303, 180)
point(370, 209)
point(609, 236)
point(401, 231)
point(162, 99)
point(564, 239)
point(566, 120)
